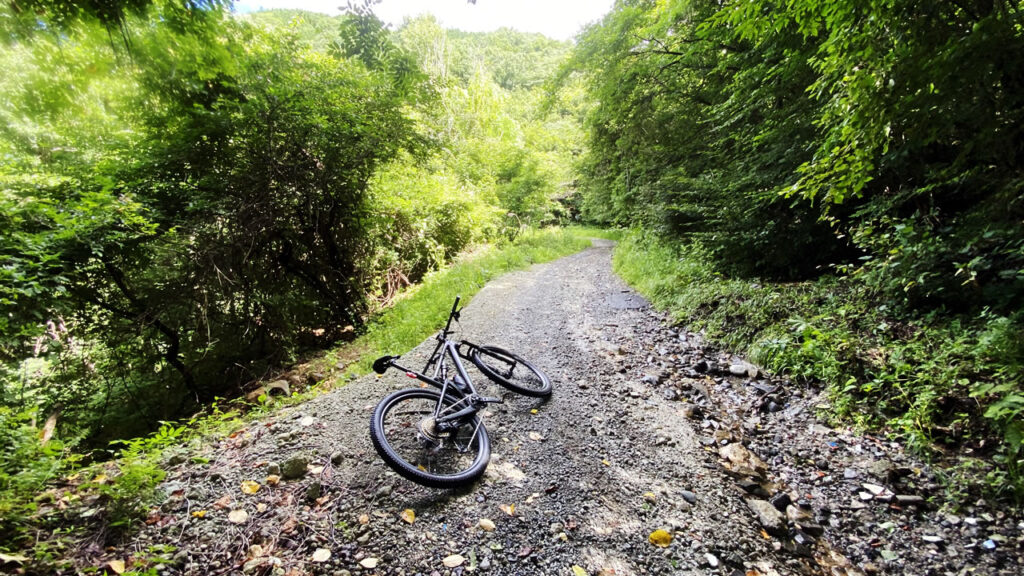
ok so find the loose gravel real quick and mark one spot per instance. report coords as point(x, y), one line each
point(648, 429)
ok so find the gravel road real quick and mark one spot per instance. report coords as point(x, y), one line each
point(575, 488)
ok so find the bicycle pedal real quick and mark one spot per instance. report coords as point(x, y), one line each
point(490, 400)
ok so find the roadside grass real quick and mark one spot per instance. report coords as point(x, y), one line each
point(127, 484)
point(949, 387)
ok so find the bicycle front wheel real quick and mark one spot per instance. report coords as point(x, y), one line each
point(406, 435)
point(511, 371)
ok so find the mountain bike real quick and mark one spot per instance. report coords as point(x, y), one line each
point(435, 437)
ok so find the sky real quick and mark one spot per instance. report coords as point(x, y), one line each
point(559, 19)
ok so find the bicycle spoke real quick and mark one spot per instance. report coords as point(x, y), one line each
point(411, 432)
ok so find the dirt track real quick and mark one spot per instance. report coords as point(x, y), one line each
point(617, 460)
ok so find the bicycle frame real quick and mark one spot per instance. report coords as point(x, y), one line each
point(468, 401)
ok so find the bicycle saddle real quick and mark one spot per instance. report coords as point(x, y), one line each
point(381, 365)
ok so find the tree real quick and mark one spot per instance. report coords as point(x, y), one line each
point(211, 222)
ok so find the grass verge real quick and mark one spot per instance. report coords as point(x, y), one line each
point(949, 386)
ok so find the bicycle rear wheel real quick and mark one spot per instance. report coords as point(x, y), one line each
point(511, 371)
point(405, 435)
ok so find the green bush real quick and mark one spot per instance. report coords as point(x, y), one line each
point(26, 465)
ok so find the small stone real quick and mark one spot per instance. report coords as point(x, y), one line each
point(337, 458)
point(691, 411)
point(812, 530)
point(801, 539)
point(874, 489)
point(909, 500)
point(850, 474)
point(770, 518)
point(487, 525)
point(295, 467)
point(932, 539)
point(796, 514)
point(689, 496)
point(711, 559)
point(180, 558)
point(819, 430)
point(880, 468)
point(383, 492)
point(781, 501)
point(738, 370)
point(989, 545)
point(313, 491)
point(273, 469)
point(796, 548)
point(752, 487)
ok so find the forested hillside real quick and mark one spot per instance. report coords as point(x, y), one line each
point(192, 198)
point(835, 187)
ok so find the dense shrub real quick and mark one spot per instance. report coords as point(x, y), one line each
point(26, 464)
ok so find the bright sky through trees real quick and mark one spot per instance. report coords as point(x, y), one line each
point(561, 19)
